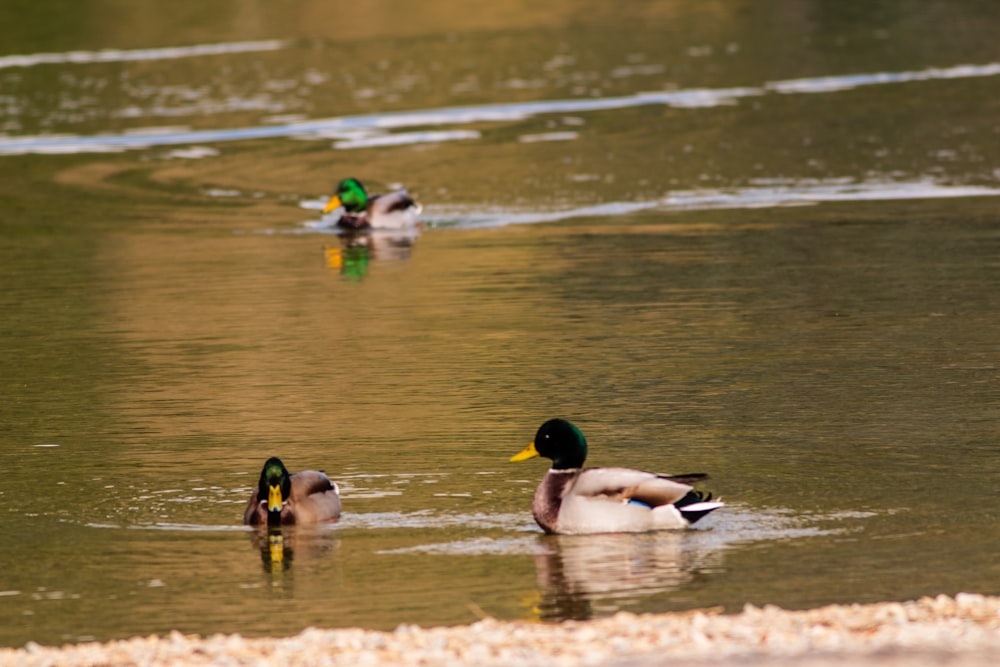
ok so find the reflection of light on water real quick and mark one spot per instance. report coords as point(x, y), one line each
point(119, 55)
point(825, 84)
point(405, 138)
point(191, 153)
point(222, 192)
point(500, 112)
point(547, 136)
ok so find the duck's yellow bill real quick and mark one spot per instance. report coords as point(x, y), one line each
point(274, 498)
point(528, 452)
point(332, 204)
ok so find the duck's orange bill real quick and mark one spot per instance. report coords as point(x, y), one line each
point(274, 498)
point(528, 452)
point(332, 204)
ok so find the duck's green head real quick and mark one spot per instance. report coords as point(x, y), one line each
point(559, 440)
point(350, 194)
point(276, 485)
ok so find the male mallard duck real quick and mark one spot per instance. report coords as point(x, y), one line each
point(282, 499)
point(572, 499)
point(395, 210)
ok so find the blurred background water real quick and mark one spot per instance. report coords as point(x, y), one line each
point(757, 240)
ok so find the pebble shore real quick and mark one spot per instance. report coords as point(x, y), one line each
point(959, 631)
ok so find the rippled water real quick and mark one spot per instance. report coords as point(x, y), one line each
point(370, 131)
point(713, 246)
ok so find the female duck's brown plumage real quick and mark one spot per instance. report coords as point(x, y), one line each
point(572, 499)
point(281, 498)
point(395, 210)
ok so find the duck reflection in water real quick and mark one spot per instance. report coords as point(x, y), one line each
point(358, 247)
point(276, 552)
point(576, 573)
point(280, 546)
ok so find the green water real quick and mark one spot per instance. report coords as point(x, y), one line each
point(796, 292)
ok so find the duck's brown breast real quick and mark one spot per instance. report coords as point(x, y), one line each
point(548, 498)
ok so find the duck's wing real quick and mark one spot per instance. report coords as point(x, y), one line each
point(309, 482)
point(625, 484)
point(391, 202)
point(314, 497)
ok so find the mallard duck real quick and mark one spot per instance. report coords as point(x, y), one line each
point(282, 499)
point(395, 210)
point(572, 499)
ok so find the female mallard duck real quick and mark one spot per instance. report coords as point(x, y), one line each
point(395, 210)
point(572, 499)
point(282, 499)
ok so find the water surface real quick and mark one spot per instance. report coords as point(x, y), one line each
point(713, 246)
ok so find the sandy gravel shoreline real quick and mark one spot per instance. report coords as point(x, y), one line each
point(959, 631)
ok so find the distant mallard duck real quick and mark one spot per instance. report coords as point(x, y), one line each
point(282, 499)
point(572, 499)
point(395, 210)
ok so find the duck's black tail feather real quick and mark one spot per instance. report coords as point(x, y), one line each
point(689, 478)
point(697, 504)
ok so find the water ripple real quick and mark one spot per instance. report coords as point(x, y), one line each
point(428, 519)
point(348, 127)
point(736, 526)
